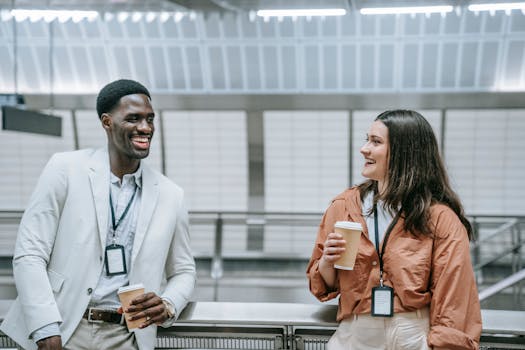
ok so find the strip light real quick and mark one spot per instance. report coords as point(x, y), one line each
point(495, 7)
point(405, 10)
point(301, 12)
point(149, 17)
point(76, 16)
point(51, 15)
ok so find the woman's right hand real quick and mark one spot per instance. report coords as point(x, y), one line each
point(334, 246)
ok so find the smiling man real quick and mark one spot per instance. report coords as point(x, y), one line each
point(99, 220)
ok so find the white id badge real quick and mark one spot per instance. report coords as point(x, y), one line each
point(115, 261)
point(383, 301)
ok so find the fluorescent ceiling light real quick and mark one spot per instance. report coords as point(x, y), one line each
point(164, 16)
point(150, 17)
point(122, 16)
point(6, 15)
point(301, 12)
point(178, 16)
point(136, 17)
point(51, 15)
point(405, 10)
point(495, 7)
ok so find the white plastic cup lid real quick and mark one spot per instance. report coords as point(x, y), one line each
point(130, 287)
point(349, 225)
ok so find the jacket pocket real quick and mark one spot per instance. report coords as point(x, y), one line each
point(410, 261)
point(56, 280)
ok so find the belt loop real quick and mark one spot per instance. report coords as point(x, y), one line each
point(355, 317)
point(418, 313)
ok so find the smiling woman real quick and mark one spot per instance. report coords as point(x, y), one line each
point(375, 151)
point(409, 214)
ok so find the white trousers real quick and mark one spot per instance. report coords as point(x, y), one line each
point(403, 331)
point(101, 336)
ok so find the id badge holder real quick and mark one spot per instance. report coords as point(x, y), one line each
point(115, 260)
point(383, 301)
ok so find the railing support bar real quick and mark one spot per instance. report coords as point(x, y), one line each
point(501, 285)
point(216, 263)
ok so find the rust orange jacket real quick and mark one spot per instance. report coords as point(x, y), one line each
point(423, 271)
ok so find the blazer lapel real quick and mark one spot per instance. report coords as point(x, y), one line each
point(148, 202)
point(99, 178)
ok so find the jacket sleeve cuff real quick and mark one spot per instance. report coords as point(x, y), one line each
point(46, 331)
point(442, 337)
point(318, 286)
point(170, 321)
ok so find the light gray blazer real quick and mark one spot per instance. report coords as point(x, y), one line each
point(60, 246)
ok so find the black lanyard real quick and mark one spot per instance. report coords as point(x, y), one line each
point(115, 225)
point(385, 239)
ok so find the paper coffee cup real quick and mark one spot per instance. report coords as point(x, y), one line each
point(126, 295)
point(351, 232)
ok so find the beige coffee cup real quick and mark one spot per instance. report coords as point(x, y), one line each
point(351, 232)
point(126, 295)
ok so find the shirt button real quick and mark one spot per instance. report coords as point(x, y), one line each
point(89, 291)
point(374, 263)
point(100, 258)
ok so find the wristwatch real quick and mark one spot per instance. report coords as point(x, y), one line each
point(170, 309)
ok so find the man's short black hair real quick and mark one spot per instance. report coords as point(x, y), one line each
point(110, 95)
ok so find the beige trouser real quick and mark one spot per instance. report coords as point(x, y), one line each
point(403, 331)
point(101, 336)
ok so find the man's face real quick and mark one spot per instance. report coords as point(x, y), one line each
point(130, 126)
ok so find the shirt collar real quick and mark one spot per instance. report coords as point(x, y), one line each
point(136, 177)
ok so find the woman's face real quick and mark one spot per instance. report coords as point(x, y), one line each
point(376, 152)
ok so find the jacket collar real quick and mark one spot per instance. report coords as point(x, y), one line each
point(99, 177)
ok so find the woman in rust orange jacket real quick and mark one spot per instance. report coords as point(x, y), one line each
point(415, 287)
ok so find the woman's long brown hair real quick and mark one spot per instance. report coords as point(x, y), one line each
point(417, 177)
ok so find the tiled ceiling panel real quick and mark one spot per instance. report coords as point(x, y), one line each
point(234, 63)
point(514, 63)
point(489, 58)
point(175, 63)
point(238, 53)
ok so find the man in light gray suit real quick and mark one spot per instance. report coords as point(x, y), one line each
point(99, 220)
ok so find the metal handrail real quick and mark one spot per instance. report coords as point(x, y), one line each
point(501, 285)
point(517, 243)
point(220, 218)
point(17, 213)
point(500, 230)
point(288, 324)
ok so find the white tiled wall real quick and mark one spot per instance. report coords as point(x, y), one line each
point(22, 158)
point(90, 131)
point(306, 163)
point(306, 159)
point(206, 154)
point(485, 153)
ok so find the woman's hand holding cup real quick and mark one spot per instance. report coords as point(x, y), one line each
point(334, 246)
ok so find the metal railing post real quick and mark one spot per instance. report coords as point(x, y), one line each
point(477, 251)
point(216, 263)
point(516, 260)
